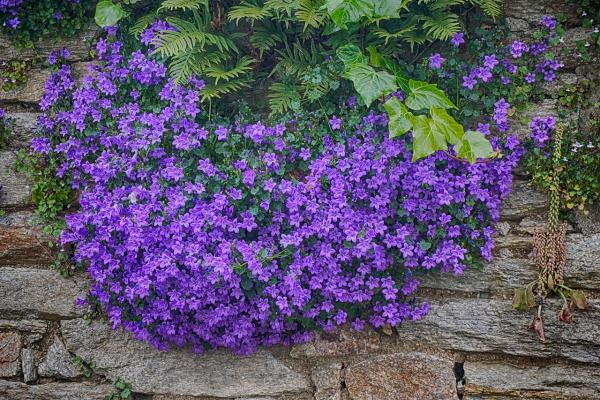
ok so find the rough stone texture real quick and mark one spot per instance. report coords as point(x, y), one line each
point(58, 362)
point(24, 124)
point(23, 325)
point(341, 343)
point(405, 376)
point(179, 372)
point(20, 242)
point(78, 45)
point(15, 188)
point(328, 381)
point(10, 390)
point(589, 221)
point(28, 366)
point(10, 347)
point(492, 326)
point(523, 201)
point(33, 89)
point(38, 292)
point(553, 381)
point(503, 275)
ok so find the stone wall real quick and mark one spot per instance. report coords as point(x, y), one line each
point(471, 324)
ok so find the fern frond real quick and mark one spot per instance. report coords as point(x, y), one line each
point(218, 72)
point(287, 7)
point(493, 8)
point(281, 97)
point(381, 33)
point(187, 36)
point(441, 25)
point(247, 10)
point(141, 24)
point(182, 4)
point(266, 36)
point(311, 13)
point(214, 91)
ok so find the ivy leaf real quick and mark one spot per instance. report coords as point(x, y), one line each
point(444, 122)
point(473, 145)
point(370, 84)
point(108, 13)
point(343, 12)
point(388, 8)
point(350, 55)
point(426, 138)
point(424, 95)
point(400, 119)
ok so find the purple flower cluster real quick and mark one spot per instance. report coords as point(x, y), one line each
point(501, 108)
point(243, 234)
point(540, 130)
point(11, 9)
point(497, 66)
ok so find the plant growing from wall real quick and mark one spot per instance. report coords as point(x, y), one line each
point(26, 21)
point(549, 255)
point(268, 228)
point(292, 46)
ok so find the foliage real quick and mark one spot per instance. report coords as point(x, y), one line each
point(26, 21)
point(122, 390)
point(549, 253)
point(578, 167)
point(279, 40)
point(13, 74)
point(231, 232)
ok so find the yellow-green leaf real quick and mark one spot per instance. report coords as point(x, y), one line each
point(473, 145)
point(399, 118)
point(453, 130)
point(427, 139)
point(425, 95)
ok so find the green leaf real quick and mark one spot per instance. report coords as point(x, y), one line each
point(375, 57)
point(370, 84)
point(579, 299)
point(473, 145)
point(108, 14)
point(350, 54)
point(426, 95)
point(426, 138)
point(519, 302)
point(400, 119)
point(445, 123)
point(388, 8)
point(343, 12)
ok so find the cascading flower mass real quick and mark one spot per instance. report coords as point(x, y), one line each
point(250, 233)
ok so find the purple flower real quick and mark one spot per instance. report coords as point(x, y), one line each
point(517, 49)
point(501, 108)
point(458, 39)
point(13, 23)
point(530, 77)
point(436, 61)
point(490, 61)
point(469, 82)
point(549, 22)
point(540, 130)
point(335, 123)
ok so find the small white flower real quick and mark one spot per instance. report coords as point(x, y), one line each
point(561, 40)
point(590, 145)
point(587, 44)
point(583, 14)
point(596, 30)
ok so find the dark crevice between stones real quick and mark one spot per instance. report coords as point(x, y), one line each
point(459, 374)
